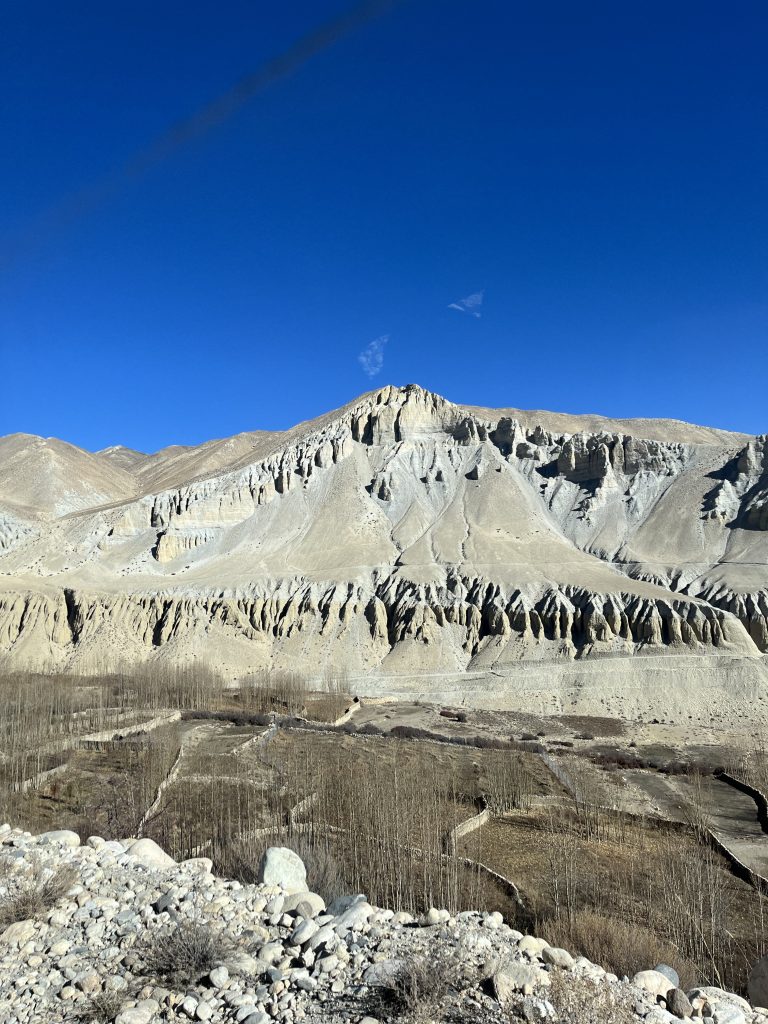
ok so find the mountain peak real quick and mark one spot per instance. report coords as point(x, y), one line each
point(402, 533)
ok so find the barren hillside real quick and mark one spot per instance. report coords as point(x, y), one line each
point(400, 538)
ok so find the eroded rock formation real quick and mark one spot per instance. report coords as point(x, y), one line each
point(402, 533)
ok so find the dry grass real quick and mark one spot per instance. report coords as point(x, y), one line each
point(608, 941)
point(32, 894)
point(183, 954)
point(327, 707)
point(581, 885)
point(579, 1000)
point(421, 986)
point(101, 1008)
point(381, 812)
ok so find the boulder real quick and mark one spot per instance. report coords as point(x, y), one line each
point(342, 903)
point(654, 982)
point(143, 1013)
point(727, 1013)
point(434, 916)
point(717, 997)
point(204, 864)
point(353, 918)
point(303, 932)
point(669, 972)
point(18, 933)
point(678, 1003)
point(658, 1015)
point(325, 937)
point(281, 866)
point(532, 946)
point(271, 952)
point(557, 957)
point(384, 974)
point(63, 836)
point(149, 853)
point(518, 977)
point(219, 977)
point(304, 904)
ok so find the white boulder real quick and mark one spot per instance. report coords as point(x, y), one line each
point(281, 866)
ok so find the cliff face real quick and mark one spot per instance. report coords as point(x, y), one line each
point(401, 534)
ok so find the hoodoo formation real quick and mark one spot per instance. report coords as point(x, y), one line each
point(399, 538)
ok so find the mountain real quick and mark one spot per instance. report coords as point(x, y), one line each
point(424, 546)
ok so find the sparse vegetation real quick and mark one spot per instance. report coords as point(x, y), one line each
point(580, 1000)
point(184, 953)
point(420, 986)
point(608, 941)
point(371, 806)
point(101, 1007)
point(33, 893)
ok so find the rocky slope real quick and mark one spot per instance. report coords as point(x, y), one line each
point(399, 536)
point(130, 936)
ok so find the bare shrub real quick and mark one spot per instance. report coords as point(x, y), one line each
point(414, 732)
point(369, 729)
point(183, 954)
point(579, 1000)
point(102, 1007)
point(420, 986)
point(609, 942)
point(33, 894)
point(235, 717)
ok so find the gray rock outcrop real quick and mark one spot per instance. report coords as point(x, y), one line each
point(401, 534)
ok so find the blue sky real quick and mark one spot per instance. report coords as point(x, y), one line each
point(597, 171)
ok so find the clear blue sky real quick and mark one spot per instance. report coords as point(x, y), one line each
point(599, 170)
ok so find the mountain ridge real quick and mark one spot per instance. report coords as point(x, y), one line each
point(398, 535)
point(587, 418)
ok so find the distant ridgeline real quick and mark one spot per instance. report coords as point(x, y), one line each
point(399, 536)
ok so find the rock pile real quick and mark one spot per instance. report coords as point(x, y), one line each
point(133, 937)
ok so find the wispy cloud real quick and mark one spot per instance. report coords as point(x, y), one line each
point(372, 357)
point(469, 305)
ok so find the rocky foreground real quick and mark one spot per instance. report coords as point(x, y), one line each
point(118, 931)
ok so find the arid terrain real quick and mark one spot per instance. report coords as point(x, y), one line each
point(565, 823)
point(506, 559)
point(456, 657)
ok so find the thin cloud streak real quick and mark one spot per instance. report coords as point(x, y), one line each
point(372, 357)
point(470, 304)
point(194, 127)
